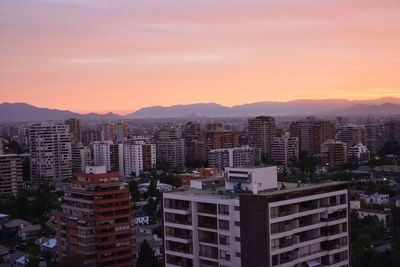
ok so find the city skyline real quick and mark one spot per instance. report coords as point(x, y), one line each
point(95, 56)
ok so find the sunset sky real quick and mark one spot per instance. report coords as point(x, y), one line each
point(119, 56)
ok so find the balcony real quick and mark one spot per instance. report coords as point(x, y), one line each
point(178, 218)
point(176, 204)
point(178, 233)
point(207, 222)
point(207, 208)
point(179, 261)
point(179, 247)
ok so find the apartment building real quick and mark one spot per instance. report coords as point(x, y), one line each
point(135, 158)
point(285, 150)
point(11, 175)
point(333, 154)
point(374, 137)
point(359, 153)
point(96, 220)
point(170, 146)
point(50, 150)
point(312, 133)
point(81, 157)
point(244, 156)
point(352, 135)
point(106, 154)
point(93, 135)
point(121, 131)
point(249, 219)
point(261, 133)
point(1, 145)
point(75, 129)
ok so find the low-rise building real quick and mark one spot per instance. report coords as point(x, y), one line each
point(143, 187)
point(375, 198)
point(201, 173)
point(383, 215)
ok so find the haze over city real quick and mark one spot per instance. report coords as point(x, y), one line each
point(120, 56)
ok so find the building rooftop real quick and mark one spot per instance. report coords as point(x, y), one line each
point(220, 192)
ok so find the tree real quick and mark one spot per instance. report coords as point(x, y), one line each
point(147, 257)
point(32, 258)
point(134, 190)
point(151, 208)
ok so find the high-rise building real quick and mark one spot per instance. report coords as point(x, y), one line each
point(333, 154)
point(75, 128)
point(285, 150)
point(121, 131)
point(11, 175)
point(359, 153)
point(234, 157)
point(262, 131)
point(81, 157)
point(109, 131)
point(251, 220)
point(96, 220)
point(1, 145)
point(391, 131)
point(375, 139)
point(171, 147)
point(106, 154)
point(50, 150)
point(352, 135)
point(93, 135)
point(312, 132)
point(135, 158)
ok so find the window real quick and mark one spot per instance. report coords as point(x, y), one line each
point(223, 209)
point(224, 255)
point(224, 224)
point(224, 240)
point(237, 208)
point(237, 223)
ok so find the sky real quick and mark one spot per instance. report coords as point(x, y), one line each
point(120, 56)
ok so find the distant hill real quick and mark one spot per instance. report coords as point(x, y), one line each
point(363, 109)
point(337, 107)
point(296, 107)
point(25, 112)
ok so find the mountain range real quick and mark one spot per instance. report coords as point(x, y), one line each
point(289, 108)
point(14, 112)
point(25, 112)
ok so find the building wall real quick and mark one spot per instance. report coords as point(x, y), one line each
point(11, 174)
point(50, 150)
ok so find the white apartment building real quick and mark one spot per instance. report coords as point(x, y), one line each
point(50, 150)
point(81, 157)
point(135, 158)
point(101, 154)
point(359, 152)
point(249, 219)
point(244, 156)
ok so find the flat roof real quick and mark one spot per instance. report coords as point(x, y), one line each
point(221, 193)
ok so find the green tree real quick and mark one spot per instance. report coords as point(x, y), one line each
point(134, 190)
point(32, 258)
point(146, 256)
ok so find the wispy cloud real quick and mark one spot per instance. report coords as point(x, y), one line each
point(183, 28)
point(91, 60)
point(184, 59)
